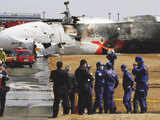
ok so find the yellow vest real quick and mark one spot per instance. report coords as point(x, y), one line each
point(3, 56)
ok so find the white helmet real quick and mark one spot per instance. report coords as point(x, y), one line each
point(1, 48)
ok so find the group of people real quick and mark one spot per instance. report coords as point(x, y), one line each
point(65, 85)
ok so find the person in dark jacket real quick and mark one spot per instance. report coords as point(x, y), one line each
point(3, 88)
point(127, 86)
point(111, 82)
point(73, 87)
point(83, 78)
point(141, 73)
point(60, 88)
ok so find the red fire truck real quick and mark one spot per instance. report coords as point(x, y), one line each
point(21, 56)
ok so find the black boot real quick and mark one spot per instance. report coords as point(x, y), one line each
point(135, 106)
point(100, 111)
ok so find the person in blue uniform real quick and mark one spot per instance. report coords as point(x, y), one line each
point(127, 86)
point(111, 82)
point(140, 71)
point(61, 86)
point(99, 87)
point(3, 88)
point(83, 78)
point(111, 57)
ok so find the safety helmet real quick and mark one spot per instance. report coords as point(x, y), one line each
point(123, 67)
point(139, 59)
point(99, 64)
point(1, 48)
point(108, 65)
point(82, 62)
point(59, 64)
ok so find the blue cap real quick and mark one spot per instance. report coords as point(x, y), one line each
point(123, 67)
point(108, 65)
point(139, 59)
point(99, 64)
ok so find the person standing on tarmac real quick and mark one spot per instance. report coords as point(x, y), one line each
point(83, 78)
point(3, 88)
point(127, 86)
point(73, 87)
point(99, 87)
point(140, 71)
point(60, 88)
point(111, 82)
point(111, 57)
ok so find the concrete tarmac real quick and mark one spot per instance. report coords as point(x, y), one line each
point(30, 94)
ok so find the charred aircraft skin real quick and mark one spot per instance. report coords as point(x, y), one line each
point(141, 35)
point(135, 34)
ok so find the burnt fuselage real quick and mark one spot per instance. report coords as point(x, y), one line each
point(135, 36)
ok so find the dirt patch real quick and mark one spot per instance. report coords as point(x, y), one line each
point(111, 117)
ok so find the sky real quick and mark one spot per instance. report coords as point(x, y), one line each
point(53, 8)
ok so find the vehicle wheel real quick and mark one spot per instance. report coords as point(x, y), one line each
point(30, 66)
